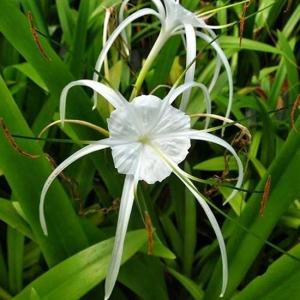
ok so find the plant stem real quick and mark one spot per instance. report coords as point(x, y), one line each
point(159, 43)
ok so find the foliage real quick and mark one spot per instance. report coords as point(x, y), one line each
point(45, 45)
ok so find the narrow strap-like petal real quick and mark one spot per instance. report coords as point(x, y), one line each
point(127, 199)
point(160, 8)
point(112, 96)
point(181, 175)
point(115, 34)
point(226, 66)
point(190, 62)
point(218, 63)
point(174, 93)
point(77, 155)
point(205, 136)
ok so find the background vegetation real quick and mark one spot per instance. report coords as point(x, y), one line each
point(46, 44)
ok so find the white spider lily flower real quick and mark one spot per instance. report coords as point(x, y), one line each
point(174, 19)
point(148, 138)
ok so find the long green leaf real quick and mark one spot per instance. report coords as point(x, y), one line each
point(26, 178)
point(231, 42)
point(15, 249)
point(10, 216)
point(280, 281)
point(243, 248)
point(78, 274)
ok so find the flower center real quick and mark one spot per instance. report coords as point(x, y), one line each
point(146, 121)
point(144, 139)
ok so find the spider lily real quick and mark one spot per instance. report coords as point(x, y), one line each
point(148, 138)
point(174, 19)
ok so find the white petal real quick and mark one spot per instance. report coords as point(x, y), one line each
point(218, 64)
point(143, 119)
point(80, 153)
point(181, 175)
point(160, 8)
point(190, 57)
point(123, 220)
point(113, 37)
point(217, 230)
point(226, 65)
point(174, 93)
point(112, 96)
point(204, 136)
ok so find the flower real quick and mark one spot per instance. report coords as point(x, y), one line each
point(174, 19)
point(148, 138)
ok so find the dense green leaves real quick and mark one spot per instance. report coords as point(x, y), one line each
point(46, 44)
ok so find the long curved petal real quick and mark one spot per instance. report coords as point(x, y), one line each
point(160, 8)
point(218, 63)
point(127, 199)
point(205, 136)
point(115, 34)
point(226, 66)
point(80, 153)
point(214, 223)
point(112, 96)
point(190, 62)
point(174, 93)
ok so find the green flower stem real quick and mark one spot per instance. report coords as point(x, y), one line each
point(159, 43)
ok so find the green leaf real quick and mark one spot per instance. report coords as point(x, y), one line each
point(291, 67)
point(142, 274)
point(15, 249)
point(65, 18)
point(26, 177)
point(10, 216)
point(231, 42)
point(31, 73)
point(79, 39)
point(216, 164)
point(291, 23)
point(280, 281)
point(195, 290)
point(77, 275)
point(190, 229)
point(160, 250)
point(242, 247)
